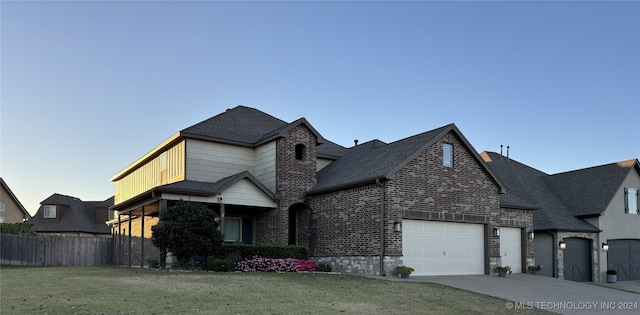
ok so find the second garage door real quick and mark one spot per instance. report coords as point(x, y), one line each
point(443, 248)
point(511, 248)
point(624, 257)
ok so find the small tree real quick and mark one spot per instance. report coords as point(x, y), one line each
point(188, 229)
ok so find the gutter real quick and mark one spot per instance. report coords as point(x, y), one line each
point(382, 213)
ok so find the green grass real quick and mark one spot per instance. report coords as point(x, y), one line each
point(120, 290)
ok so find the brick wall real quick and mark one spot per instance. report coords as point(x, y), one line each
point(293, 178)
point(425, 189)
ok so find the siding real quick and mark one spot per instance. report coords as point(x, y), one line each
point(148, 175)
point(211, 162)
point(266, 165)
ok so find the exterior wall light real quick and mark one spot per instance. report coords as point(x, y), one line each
point(605, 247)
point(532, 235)
point(397, 226)
point(562, 245)
point(496, 232)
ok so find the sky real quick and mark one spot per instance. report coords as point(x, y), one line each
point(87, 87)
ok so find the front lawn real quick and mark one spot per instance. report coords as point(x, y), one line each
point(121, 290)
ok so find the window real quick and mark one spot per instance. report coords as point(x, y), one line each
point(232, 230)
point(631, 200)
point(49, 211)
point(1, 206)
point(300, 151)
point(1, 219)
point(447, 155)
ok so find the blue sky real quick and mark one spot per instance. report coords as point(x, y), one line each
point(88, 87)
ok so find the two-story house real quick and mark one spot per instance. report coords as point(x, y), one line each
point(11, 209)
point(587, 220)
point(428, 201)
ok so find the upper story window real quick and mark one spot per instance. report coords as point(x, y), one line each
point(300, 151)
point(49, 211)
point(447, 155)
point(631, 200)
point(1, 206)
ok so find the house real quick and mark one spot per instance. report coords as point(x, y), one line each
point(587, 220)
point(70, 216)
point(11, 210)
point(428, 201)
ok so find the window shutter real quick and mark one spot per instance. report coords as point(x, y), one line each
point(626, 200)
point(637, 201)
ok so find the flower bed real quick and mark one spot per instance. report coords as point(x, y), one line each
point(275, 265)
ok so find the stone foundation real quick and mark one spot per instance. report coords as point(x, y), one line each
point(369, 265)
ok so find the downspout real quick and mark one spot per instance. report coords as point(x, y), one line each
point(382, 213)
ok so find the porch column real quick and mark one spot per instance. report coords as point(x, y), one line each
point(163, 252)
point(142, 240)
point(119, 253)
point(130, 241)
point(222, 230)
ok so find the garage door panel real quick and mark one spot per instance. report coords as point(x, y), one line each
point(443, 248)
point(624, 257)
point(511, 248)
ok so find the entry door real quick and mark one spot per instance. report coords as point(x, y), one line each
point(577, 259)
point(511, 248)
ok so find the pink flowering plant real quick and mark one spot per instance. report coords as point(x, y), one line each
point(275, 265)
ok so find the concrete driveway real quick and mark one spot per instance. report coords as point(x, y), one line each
point(551, 294)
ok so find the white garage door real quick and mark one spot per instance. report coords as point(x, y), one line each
point(511, 248)
point(443, 248)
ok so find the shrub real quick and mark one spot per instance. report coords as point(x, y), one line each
point(266, 251)
point(218, 264)
point(16, 228)
point(275, 265)
point(323, 267)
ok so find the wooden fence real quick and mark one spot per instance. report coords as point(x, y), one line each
point(51, 250)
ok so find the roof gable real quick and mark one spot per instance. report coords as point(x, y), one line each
point(4, 186)
point(378, 160)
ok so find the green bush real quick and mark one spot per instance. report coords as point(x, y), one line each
point(16, 228)
point(323, 267)
point(241, 252)
point(218, 264)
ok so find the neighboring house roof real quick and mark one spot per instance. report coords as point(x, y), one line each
point(528, 188)
point(4, 186)
point(604, 179)
point(79, 216)
point(377, 160)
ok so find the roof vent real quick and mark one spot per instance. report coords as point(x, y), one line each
point(355, 141)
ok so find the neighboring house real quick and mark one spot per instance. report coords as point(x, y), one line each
point(11, 210)
point(592, 212)
point(428, 201)
point(70, 216)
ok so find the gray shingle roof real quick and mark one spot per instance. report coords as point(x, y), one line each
point(79, 216)
point(240, 124)
point(376, 160)
point(209, 189)
point(576, 188)
point(527, 188)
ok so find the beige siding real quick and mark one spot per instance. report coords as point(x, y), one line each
point(266, 165)
point(148, 175)
point(243, 193)
point(211, 162)
point(12, 212)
